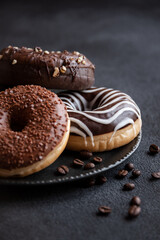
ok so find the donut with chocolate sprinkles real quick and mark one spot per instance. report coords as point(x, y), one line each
point(34, 130)
point(53, 70)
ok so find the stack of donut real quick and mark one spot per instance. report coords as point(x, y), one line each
point(36, 125)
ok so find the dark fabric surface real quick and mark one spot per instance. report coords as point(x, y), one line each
point(123, 41)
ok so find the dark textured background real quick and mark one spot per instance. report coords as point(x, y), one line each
point(123, 40)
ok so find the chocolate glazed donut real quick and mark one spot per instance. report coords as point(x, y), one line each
point(57, 70)
point(34, 130)
point(101, 119)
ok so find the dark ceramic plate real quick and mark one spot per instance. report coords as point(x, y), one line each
point(49, 176)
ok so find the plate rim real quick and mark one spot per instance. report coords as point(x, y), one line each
point(67, 179)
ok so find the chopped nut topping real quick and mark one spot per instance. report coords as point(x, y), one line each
point(80, 59)
point(30, 48)
point(9, 46)
point(15, 48)
point(7, 51)
point(76, 53)
point(14, 61)
point(46, 52)
point(63, 69)
point(1, 56)
point(84, 62)
point(52, 51)
point(56, 72)
point(58, 51)
point(38, 49)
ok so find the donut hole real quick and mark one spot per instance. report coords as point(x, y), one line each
point(18, 119)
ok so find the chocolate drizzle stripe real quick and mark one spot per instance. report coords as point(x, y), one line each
point(113, 101)
point(110, 110)
point(78, 132)
point(124, 96)
point(76, 101)
point(68, 103)
point(109, 96)
point(101, 93)
point(105, 121)
point(122, 124)
point(83, 126)
point(81, 98)
point(92, 89)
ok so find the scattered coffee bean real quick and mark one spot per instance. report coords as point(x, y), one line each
point(85, 154)
point(78, 163)
point(129, 166)
point(97, 160)
point(156, 175)
point(101, 179)
point(104, 210)
point(122, 173)
point(135, 201)
point(153, 149)
point(128, 186)
point(136, 173)
point(63, 170)
point(134, 211)
point(90, 182)
point(89, 166)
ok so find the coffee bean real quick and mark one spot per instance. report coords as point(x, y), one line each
point(128, 186)
point(78, 163)
point(154, 149)
point(63, 170)
point(90, 182)
point(134, 211)
point(97, 160)
point(129, 166)
point(156, 175)
point(101, 179)
point(84, 154)
point(136, 173)
point(89, 166)
point(104, 210)
point(122, 173)
point(135, 201)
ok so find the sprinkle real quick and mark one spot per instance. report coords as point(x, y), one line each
point(14, 61)
point(56, 72)
point(84, 62)
point(52, 51)
point(30, 49)
point(58, 51)
point(63, 69)
point(1, 56)
point(15, 48)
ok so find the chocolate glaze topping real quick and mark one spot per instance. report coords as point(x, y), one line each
point(58, 70)
point(33, 121)
point(98, 111)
